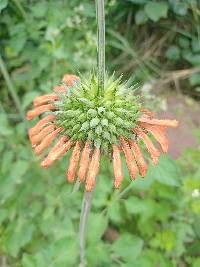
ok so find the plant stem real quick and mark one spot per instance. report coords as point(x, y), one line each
point(21, 9)
point(11, 87)
point(86, 205)
point(101, 45)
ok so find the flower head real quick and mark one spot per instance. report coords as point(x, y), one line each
point(92, 125)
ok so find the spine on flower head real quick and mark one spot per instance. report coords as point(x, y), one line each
point(42, 134)
point(153, 151)
point(73, 163)
point(159, 133)
point(56, 152)
point(70, 79)
point(44, 99)
point(93, 170)
point(129, 158)
point(142, 165)
point(117, 166)
point(47, 141)
point(36, 129)
point(166, 123)
point(31, 114)
point(84, 162)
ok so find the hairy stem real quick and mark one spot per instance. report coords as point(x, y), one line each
point(101, 45)
point(86, 204)
point(11, 87)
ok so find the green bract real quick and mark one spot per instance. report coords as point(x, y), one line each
point(86, 116)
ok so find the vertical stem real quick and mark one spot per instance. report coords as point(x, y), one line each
point(86, 205)
point(101, 76)
point(101, 45)
point(11, 87)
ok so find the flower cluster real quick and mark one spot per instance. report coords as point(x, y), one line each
point(93, 125)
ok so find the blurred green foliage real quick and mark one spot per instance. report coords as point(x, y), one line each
point(157, 220)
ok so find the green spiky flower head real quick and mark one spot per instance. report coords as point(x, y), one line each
point(87, 116)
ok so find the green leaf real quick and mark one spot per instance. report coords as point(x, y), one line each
point(128, 247)
point(28, 261)
point(196, 262)
point(18, 235)
point(114, 213)
point(3, 4)
point(196, 45)
point(139, 2)
point(194, 79)
point(180, 8)
point(28, 98)
point(65, 252)
point(173, 53)
point(156, 10)
point(192, 58)
point(145, 207)
point(166, 172)
point(39, 9)
point(104, 255)
point(97, 225)
point(140, 17)
point(183, 42)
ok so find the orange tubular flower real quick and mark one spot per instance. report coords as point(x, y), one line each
point(154, 152)
point(44, 99)
point(129, 158)
point(166, 123)
point(40, 136)
point(142, 165)
point(55, 154)
point(47, 141)
point(84, 162)
point(159, 134)
point(117, 166)
point(92, 128)
point(39, 110)
point(36, 129)
point(70, 80)
point(71, 172)
point(93, 170)
point(59, 89)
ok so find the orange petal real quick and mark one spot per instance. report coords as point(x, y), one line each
point(73, 163)
point(47, 141)
point(31, 114)
point(166, 123)
point(69, 79)
point(93, 170)
point(148, 113)
point(36, 129)
point(129, 158)
point(159, 134)
point(59, 144)
point(154, 153)
point(59, 89)
point(44, 99)
point(39, 137)
point(84, 162)
point(142, 165)
point(117, 166)
point(56, 152)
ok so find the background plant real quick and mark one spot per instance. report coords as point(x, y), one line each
point(157, 218)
